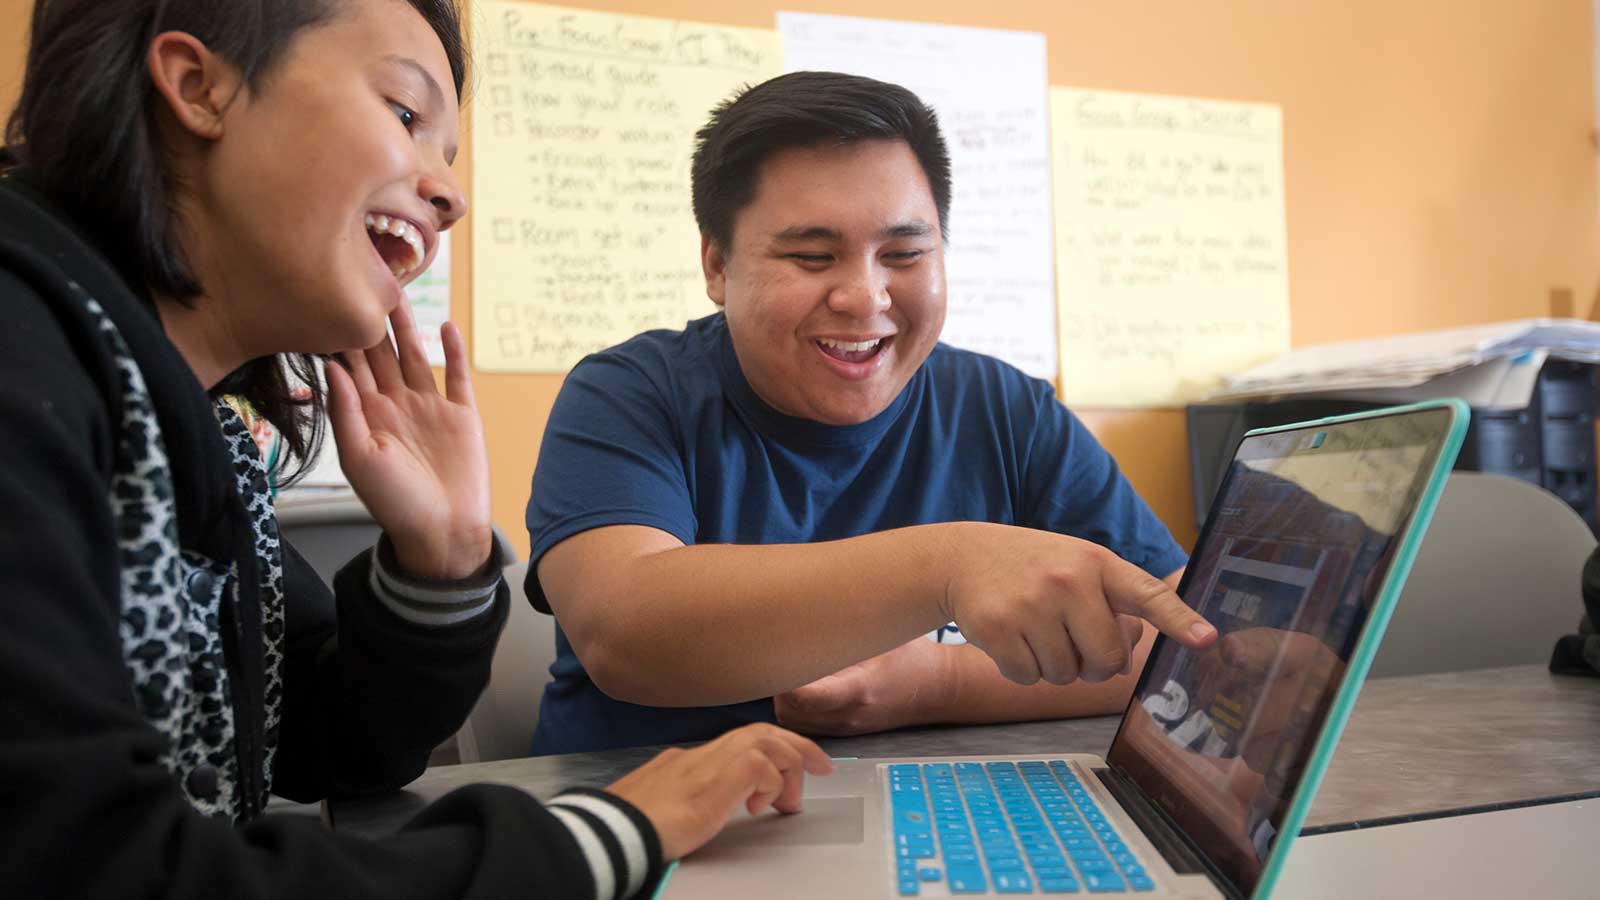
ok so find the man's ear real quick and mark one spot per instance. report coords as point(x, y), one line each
point(715, 265)
point(196, 84)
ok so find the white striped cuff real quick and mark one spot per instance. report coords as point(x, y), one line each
point(594, 852)
point(431, 603)
point(635, 858)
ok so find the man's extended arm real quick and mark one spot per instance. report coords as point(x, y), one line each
point(660, 623)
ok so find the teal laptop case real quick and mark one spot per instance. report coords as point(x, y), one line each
point(1372, 633)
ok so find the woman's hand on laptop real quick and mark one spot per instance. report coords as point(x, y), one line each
point(1052, 607)
point(689, 795)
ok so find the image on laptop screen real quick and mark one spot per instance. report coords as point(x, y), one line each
point(1290, 562)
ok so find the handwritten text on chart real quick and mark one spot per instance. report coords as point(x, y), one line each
point(582, 150)
point(1170, 244)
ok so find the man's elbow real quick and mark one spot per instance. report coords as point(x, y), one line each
point(625, 670)
point(618, 674)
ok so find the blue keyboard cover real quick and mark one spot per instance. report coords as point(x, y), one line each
point(1004, 828)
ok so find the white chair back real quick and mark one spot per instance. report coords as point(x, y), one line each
point(1496, 581)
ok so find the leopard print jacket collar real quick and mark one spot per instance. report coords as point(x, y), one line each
point(177, 603)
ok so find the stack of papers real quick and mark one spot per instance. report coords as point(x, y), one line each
point(1490, 366)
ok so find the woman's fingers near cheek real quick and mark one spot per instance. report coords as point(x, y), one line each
point(457, 381)
point(355, 363)
point(385, 365)
point(341, 390)
point(344, 409)
point(414, 366)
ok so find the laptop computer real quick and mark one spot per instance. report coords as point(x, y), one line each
point(1219, 752)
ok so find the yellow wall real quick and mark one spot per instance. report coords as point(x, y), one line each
point(13, 46)
point(1440, 167)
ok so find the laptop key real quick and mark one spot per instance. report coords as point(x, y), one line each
point(910, 818)
point(910, 887)
point(1102, 883)
point(1057, 885)
point(966, 881)
point(1012, 883)
point(1094, 864)
point(960, 859)
point(1005, 864)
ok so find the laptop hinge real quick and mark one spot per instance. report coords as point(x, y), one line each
point(1174, 846)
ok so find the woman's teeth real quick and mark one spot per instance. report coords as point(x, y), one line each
point(405, 231)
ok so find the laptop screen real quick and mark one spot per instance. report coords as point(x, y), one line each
point(1289, 564)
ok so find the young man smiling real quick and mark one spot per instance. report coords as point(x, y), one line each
point(762, 516)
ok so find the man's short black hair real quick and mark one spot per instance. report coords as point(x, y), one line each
point(806, 109)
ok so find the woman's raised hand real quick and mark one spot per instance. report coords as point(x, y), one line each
point(415, 457)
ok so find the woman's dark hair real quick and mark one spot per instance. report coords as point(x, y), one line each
point(85, 126)
point(806, 109)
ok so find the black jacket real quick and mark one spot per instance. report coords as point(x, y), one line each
point(88, 808)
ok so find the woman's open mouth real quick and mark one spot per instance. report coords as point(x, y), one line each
point(399, 244)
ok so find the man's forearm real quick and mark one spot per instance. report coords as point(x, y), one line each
point(713, 624)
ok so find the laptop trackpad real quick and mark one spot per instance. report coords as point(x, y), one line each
point(825, 820)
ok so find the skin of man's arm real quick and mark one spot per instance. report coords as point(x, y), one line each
point(659, 623)
point(925, 683)
point(978, 693)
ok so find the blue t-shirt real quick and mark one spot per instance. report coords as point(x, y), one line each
point(665, 431)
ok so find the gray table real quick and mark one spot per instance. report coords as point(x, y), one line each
point(1543, 852)
point(1415, 745)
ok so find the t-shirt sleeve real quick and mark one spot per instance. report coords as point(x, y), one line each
point(611, 456)
point(1074, 487)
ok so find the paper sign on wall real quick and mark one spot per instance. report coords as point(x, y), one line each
point(1170, 244)
point(582, 134)
point(989, 89)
